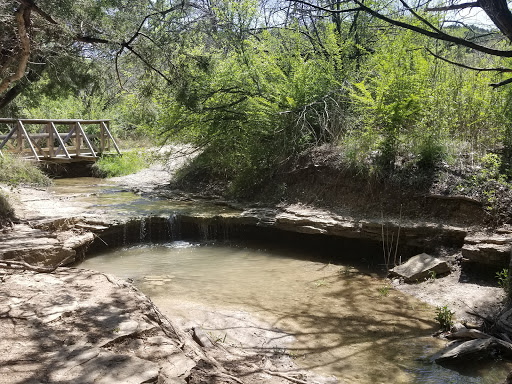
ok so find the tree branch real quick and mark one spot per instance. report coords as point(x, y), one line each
point(453, 7)
point(436, 35)
point(91, 40)
point(125, 45)
point(11, 264)
point(420, 18)
point(499, 69)
point(325, 9)
point(501, 83)
point(22, 14)
point(30, 4)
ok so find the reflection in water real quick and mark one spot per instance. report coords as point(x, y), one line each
point(345, 320)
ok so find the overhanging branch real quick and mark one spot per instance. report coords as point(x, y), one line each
point(479, 69)
point(453, 7)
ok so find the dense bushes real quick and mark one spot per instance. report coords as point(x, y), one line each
point(129, 162)
point(272, 96)
point(252, 97)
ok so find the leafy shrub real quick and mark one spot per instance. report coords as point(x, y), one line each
point(503, 280)
point(444, 317)
point(129, 162)
point(16, 171)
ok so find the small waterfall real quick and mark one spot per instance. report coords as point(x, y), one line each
point(149, 229)
point(173, 227)
point(226, 231)
point(143, 230)
point(204, 231)
point(125, 236)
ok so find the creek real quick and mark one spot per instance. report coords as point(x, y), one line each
point(328, 308)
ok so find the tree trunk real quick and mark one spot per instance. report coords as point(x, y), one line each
point(500, 14)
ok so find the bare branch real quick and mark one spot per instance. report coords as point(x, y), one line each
point(91, 40)
point(325, 9)
point(436, 35)
point(125, 45)
point(501, 83)
point(12, 264)
point(453, 7)
point(422, 19)
point(479, 69)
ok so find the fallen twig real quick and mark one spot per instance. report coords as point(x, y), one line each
point(11, 264)
point(289, 378)
point(221, 374)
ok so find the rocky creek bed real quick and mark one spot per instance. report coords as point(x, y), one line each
point(96, 325)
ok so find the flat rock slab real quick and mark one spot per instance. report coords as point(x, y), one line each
point(79, 326)
point(478, 349)
point(420, 267)
point(104, 367)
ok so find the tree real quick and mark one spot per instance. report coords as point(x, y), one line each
point(37, 37)
point(418, 19)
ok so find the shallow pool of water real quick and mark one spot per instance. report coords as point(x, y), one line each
point(345, 320)
point(101, 195)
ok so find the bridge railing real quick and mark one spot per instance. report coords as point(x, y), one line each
point(49, 141)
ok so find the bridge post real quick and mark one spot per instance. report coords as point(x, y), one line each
point(102, 138)
point(77, 140)
point(51, 140)
point(19, 137)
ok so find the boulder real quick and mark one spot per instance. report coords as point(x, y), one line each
point(473, 350)
point(420, 267)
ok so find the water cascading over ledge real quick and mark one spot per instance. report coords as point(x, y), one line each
point(348, 239)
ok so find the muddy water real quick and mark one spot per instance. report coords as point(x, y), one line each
point(340, 320)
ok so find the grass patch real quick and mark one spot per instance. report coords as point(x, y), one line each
point(130, 162)
point(6, 209)
point(15, 171)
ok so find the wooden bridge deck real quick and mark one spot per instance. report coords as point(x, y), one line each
point(57, 140)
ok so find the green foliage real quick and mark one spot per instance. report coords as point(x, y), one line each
point(503, 279)
point(384, 291)
point(129, 162)
point(257, 105)
point(487, 183)
point(444, 317)
point(412, 107)
point(15, 171)
point(251, 98)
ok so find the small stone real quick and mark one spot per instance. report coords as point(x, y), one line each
point(457, 327)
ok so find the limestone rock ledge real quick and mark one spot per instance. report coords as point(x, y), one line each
point(80, 326)
point(493, 249)
point(43, 247)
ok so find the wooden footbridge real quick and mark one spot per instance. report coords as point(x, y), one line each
point(57, 140)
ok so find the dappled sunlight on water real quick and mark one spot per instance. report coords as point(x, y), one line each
point(346, 321)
